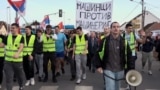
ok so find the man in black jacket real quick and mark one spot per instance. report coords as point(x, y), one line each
point(117, 57)
point(147, 48)
point(93, 47)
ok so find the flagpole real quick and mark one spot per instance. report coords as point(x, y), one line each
point(64, 21)
point(16, 17)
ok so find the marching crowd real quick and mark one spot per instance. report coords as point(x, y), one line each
point(112, 53)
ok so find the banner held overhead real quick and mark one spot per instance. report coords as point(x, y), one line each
point(93, 16)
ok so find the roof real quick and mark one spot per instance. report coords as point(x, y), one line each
point(153, 26)
point(139, 16)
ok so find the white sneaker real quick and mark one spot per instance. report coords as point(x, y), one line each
point(78, 81)
point(150, 72)
point(84, 76)
point(32, 81)
point(27, 83)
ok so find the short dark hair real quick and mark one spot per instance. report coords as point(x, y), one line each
point(15, 24)
point(39, 30)
point(112, 24)
point(128, 25)
point(80, 28)
point(48, 26)
point(56, 26)
point(29, 27)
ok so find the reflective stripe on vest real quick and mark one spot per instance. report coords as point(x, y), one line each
point(101, 54)
point(12, 49)
point(28, 49)
point(70, 41)
point(102, 37)
point(80, 44)
point(48, 44)
point(1, 49)
point(132, 42)
point(126, 43)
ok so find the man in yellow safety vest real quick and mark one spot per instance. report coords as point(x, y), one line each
point(13, 43)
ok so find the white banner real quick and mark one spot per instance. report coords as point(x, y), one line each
point(93, 16)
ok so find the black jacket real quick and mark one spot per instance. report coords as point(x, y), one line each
point(102, 63)
point(92, 50)
point(38, 49)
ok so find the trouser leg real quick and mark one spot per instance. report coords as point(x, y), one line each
point(83, 62)
point(45, 64)
point(52, 58)
point(40, 64)
point(144, 59)
point(18, 70)
point(26, 67)
point(8, 69)
point(78, 66)
point(150, 61)
point(1, 69)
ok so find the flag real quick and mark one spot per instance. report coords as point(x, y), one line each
point(45, 22)
point(18, 5)
point(61, 26)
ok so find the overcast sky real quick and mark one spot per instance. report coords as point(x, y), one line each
point(123, 10)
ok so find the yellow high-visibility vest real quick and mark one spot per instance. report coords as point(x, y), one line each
point(12, 49)
point(80, 45)
point(28, 49)
point(132, 42)
point(48, 44)
point(1, 49)
point(70, 42)
point(102, 37)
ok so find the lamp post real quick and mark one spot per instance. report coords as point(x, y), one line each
point(143, 14)
point(8, 18)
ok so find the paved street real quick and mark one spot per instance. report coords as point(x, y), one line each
point(95, 81)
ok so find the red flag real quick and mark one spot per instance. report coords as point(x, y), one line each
point(61, 26)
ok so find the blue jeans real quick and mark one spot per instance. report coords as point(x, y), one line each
point(111, 84)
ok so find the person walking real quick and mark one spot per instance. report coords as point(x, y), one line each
point(147, 48)
point(60, 50)
point(1, 60)
point(49, 53)
point(28, 56)
point(92, 49)
point(69, 57)
point(39, 53)
point(116, 58)
point(13, 64)
point(80, 47)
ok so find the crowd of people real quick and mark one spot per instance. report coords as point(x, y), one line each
point(112, 53)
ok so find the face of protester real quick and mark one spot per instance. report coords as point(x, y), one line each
point(28, 31)
point(57, 30)
point(115, 28)
point(129, 29)
point(48, 30)
point(106, 30)
point(14, 30)
point(39, 34)
point(79, 32)
point(93, 34)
